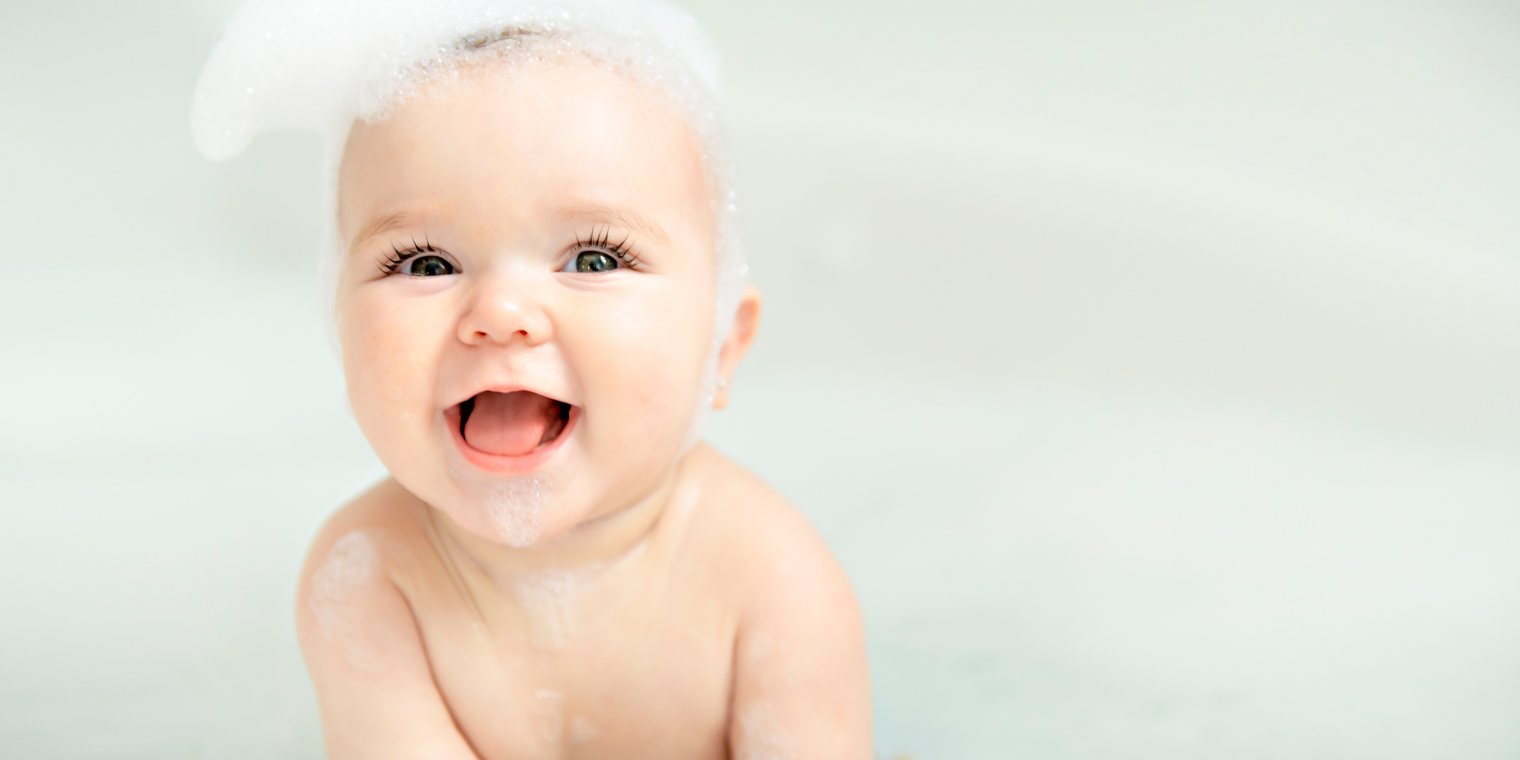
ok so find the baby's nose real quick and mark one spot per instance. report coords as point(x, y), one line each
point(503, 309)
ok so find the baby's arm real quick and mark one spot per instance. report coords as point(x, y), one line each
point(361, 644)
point(801, 688)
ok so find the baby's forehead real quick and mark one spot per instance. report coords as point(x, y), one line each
point(574, 132)
point(564, 80)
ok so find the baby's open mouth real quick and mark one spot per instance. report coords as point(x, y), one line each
point(511, 424)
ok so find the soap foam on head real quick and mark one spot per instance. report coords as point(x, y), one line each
point(298, 64)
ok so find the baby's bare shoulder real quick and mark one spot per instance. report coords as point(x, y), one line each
point(764, 540)
point(385, 515)
point(374, 547)
point(800, 675)
point(359, 637)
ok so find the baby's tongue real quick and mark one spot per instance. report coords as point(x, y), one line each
point(508, 424)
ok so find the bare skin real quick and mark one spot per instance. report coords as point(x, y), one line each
point(614, 593)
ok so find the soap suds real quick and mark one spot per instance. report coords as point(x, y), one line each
point(516, 509)
point(760, 737)
point(548, 715)
point(340, 588)
point(546, 598)
point(581, 730)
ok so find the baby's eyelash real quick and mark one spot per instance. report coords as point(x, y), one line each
point(601, 239)
point(391, 264)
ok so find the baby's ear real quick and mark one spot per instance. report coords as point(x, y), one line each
point(740, 335)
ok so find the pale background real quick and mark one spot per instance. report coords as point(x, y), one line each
point(1153, 368)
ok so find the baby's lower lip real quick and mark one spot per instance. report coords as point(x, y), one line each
point(508, 462)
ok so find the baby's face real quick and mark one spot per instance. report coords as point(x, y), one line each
point(526, 299)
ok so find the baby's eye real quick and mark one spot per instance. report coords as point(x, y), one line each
point(428, 266)
point(597, 252)
point(594, 261)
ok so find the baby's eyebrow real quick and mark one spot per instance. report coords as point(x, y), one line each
point(642, 226)
point(382, 224)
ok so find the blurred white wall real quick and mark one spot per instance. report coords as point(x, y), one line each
point(1153, 368)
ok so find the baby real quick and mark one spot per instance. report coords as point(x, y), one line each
point(537, 302)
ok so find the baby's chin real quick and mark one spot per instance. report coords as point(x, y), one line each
point(519, 511)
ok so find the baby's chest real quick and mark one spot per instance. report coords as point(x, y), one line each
point(657, 689)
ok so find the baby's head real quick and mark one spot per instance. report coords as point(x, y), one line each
point(527, 292)
point(538, 294)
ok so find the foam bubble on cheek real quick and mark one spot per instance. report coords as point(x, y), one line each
point(516, 509)
point(340, 590)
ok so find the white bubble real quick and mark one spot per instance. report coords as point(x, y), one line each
point(339, 590)
point(548, 713)
point(582, 730)
point(547, 599)
point(516, 508)
point(760, 738)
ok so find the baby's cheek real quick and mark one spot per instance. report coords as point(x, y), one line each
point(387, 370)
point(654, 360)
point(658, 392)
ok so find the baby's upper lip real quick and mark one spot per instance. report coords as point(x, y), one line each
point(512, 388)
